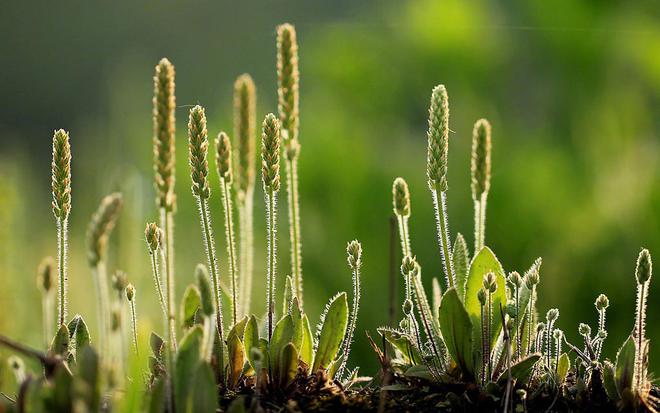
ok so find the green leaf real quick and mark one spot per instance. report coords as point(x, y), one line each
point(61, 342)
point(78, 333)
point(520, 371)
point(307, 347)
point(404, 343)
point(236, 355)
point(157, 396)
point(609, 382)
point(251, 339)
point(156, 344)
point(203, 395)
point(482, 264)
point(460, 259)
point(457, 331)
point(238, 329)
point(189, 305)
point(288, 294)
point(333, 329)
point(625, 365)
point(563, 366)
point(187, 359)
point(87, 377)
point(282, 335)
point(420, 371)
point(288, 364)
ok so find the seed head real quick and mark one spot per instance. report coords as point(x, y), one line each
point(354, 252)
point(481, 296)
point(515, 279)
point(480, 159)
point(407, 307)
point(557, 334)
point(270, 153)
point(164, 103)
point(245, 119)
point(532, 279)
point(154, 237)
point(61, 174)
point(101, 225)
point(602, 302)
point(130, 292)
point(46, 275)
point(401, 197)
point(644, 269)
point(287, 81)
point(438, 139)
point(205, 291)
point(552, 315)
point(198, 147)
point(119, 280)
point(223, 157)
point(490, 282)
point(584, 330)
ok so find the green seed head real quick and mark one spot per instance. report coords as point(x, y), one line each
point(490, 282)
point(154, 237)
point(130, 292)
point(515, 279)
point(287, 81)
point(270, 153)
point(552, 315)
point(354, 252)
point(584, 330)
point(223, 157)
point(245, 119)
point(205, 291)
point(164, 103)
point(46, 275)
point(644, 269)
point(401, 197)
point(119, 281)
point(438, 140)
point(61, 174)
point(101, 225)
point(481, 296)
point(480, 165)
point(198, 147)
point(602, 302)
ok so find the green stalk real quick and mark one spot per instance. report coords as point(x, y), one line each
point(166, 220)
point(440, 207)
point(294, 223)
point(62, 235)
point(231, 246)
point(271, 216)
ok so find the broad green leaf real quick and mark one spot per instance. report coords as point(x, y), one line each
point(520, 371)
point(332, 332)
point(236, 354)
point(186, 362)
point(307, 347)
point(625, 365)
point(189, 306)
point(78, 333)
point(298, 324)
point(238, 329)
point(61, 341)
point(457, 331)
point(251, 339)
point(404, 343)
point(282, 335)
point(609, 382)
point(203, 395)
point(562, 367)
point(460, 259)
point(483, 263)
point(288, 364)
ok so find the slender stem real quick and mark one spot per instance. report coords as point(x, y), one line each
point(352, 322)
point(207, 235)
point(483, 346)
point(231, 246)
point(62, 234)
point(530, 320)
point(159, 288)
point(392, 272)
point(517, 324)
point(134, 325)
point(489, 321)
point(271, 212)
point(480, 222)
point(443, 235)
point(167, 224)
point(99, 274)
point(47, 314)
point(294, 225)
point(639, 376)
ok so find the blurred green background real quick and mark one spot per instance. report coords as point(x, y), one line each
point(571, 89)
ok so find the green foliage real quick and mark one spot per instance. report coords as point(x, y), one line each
point(456, 328)
point(331, 333)
point(190, 304)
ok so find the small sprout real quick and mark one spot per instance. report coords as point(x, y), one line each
point(401, 197)
point(602, 334)
point(270, 153)
point(532, 279)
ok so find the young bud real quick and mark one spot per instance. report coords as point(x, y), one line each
point(490, 282)
point(198, 147)
point(540, 327)
point(552, 315)
point(223, 157)
point(481, 296)
point(557, 334)
point(644, 269)
point(602, 302)
point(154, 237)
point(130, 292)
point(438, 140)
point(516, 280)
point(270, 153)
point(584, 330)
point(401, 197)
point(354, 252)
point(408, 265)
point(46, 275)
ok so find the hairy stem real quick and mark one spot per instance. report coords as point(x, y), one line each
point(99, 274)
point(271, 216)
point(440, 206)
point(47, 314)
point(639, 374)
point(62, 248)
point(231, 246)
point(294, 225)
point(246, 249)
point(167, 223)
point(134, 325)
point(480, 223)
point(530, 320)
point(348, 340)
